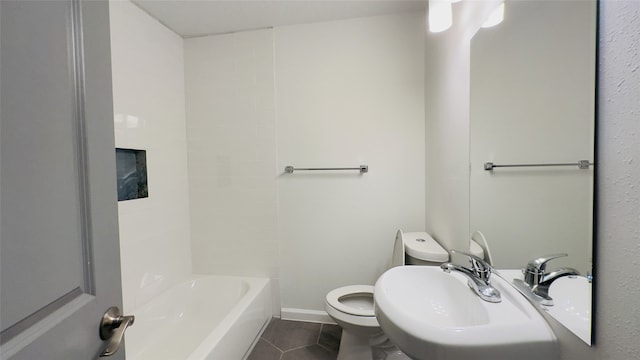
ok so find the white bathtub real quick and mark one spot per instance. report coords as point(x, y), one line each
point(204, 317)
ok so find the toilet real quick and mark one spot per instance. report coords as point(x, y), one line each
point(352, 306)
point(421, 249)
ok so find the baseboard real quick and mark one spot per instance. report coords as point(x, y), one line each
point(315, 316)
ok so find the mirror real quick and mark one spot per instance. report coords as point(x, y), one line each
point(533, 103)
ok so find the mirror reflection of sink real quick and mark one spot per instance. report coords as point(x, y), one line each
point(572, 305)
point(432, 315)
point(571, 302)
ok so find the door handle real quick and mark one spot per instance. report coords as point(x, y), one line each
point(112, 328)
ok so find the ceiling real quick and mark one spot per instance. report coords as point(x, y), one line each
point(191, 18)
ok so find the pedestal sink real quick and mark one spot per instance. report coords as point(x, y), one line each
point(433, 315)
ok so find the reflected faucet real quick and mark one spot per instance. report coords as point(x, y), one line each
point(478, 276)
point(537, 281)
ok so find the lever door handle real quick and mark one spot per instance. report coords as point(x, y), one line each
point(112, 328)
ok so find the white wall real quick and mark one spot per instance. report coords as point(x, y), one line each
point(533, 101)
point(347, 93)
point(617, 323)
point(232, 154)
point(447, 125)
point(618, 194)
point(148, 93)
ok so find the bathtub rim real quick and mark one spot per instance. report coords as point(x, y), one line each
point(258, 293)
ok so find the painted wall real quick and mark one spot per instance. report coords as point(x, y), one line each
point(447, 124)
point(347, 93)
point(617, 323)
point(618, 155)
point(340, 93)
point(148, 95)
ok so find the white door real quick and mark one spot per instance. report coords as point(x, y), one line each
point(59, 255)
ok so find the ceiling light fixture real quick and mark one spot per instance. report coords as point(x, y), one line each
point(496, 16)
point(440, 15)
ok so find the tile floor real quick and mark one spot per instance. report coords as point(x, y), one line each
point(296, 340)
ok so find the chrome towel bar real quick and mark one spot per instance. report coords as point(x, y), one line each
point(362, 168)
point(582, 164)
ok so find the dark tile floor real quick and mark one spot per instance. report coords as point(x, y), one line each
point(296, 340)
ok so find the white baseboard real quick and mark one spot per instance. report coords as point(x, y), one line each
point(315, 316)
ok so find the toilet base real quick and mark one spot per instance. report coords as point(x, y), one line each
point(379, 347)
point(384, 349)
point(354, 347)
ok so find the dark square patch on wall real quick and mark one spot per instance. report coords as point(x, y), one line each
point(131, 169)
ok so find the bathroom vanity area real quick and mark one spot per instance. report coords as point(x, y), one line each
point(531, 199)
point(532, 112)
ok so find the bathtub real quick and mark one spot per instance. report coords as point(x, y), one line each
point(204, 317)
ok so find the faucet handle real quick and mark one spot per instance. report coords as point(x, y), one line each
point(539, 265)
point(481, 268)
point(535, 269)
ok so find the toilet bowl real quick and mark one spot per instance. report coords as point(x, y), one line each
point(352, 306)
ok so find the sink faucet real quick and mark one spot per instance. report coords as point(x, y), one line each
point(478, 276)
point(538, 281)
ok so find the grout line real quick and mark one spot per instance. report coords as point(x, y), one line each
point(283, 352)
point(326, 348)
point(300, 347)
point(319, 334)
point(272, 344)
point(322, 346)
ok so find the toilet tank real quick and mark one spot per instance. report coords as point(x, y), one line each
point(417, 248)
point(422, 249)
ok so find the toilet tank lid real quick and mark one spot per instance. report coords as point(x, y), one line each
point(421, 245)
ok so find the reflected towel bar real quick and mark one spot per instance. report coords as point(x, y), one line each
point(582, 164)
point(362, 168)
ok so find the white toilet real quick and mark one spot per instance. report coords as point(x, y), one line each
point(421, 249)
point(352, 306)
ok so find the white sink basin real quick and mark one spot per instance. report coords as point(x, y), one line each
point(572, 305)
point(433, 315)
point(571, 302)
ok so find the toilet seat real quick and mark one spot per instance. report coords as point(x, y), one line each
point(360, 294)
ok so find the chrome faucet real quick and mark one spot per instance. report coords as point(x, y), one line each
point(478, 276)
point(538, 281)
